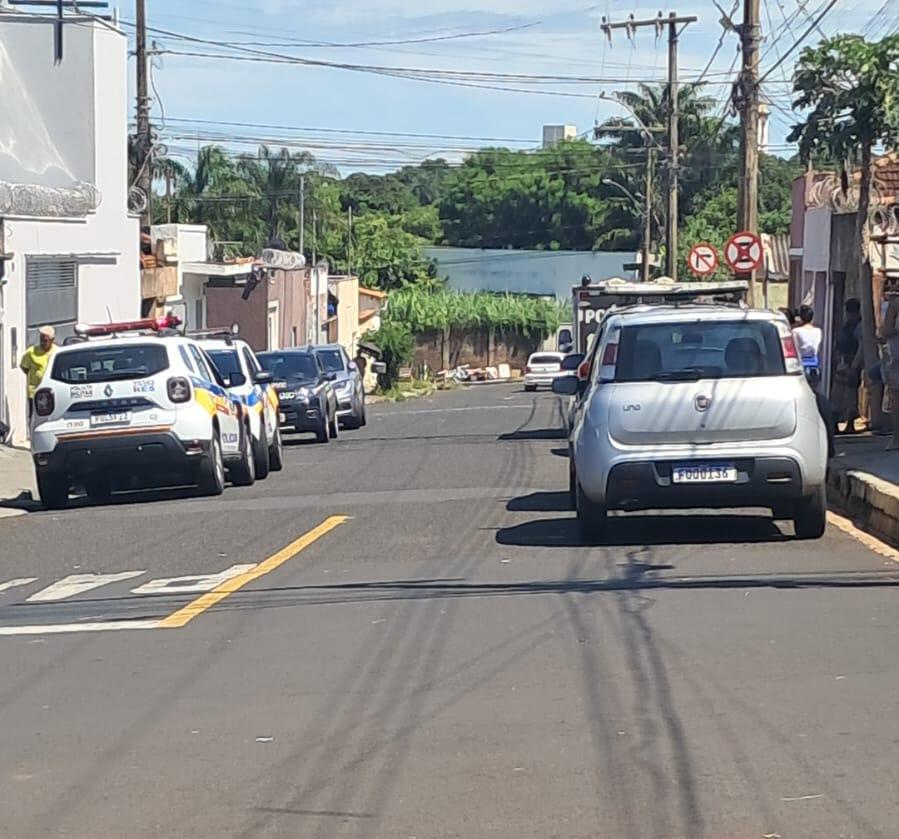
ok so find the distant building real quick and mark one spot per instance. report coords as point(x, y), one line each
point(553, 134)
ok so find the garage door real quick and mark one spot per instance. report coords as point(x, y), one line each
point(51, 296)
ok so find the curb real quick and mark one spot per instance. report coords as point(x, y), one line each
point(871, 502)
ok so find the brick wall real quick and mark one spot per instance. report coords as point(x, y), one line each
point(472, 346)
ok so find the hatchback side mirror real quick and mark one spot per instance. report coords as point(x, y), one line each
point(263, 377)
point(565, 385)
point(353, 366)
point(236, 379)
point(573, 361)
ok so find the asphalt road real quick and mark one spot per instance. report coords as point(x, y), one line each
point(447, 662)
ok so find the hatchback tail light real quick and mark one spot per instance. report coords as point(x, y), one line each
point(792, 362)
point(527, 369)
point(178, 389)
point(610, 355)
point(44, 402)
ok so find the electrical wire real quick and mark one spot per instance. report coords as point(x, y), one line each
point(799, 40)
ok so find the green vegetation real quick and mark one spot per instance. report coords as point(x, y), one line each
point(576, 195)
point(424, 310)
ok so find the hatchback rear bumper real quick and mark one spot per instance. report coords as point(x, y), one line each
point(761, 482)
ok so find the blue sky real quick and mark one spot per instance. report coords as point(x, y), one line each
point(560, 37)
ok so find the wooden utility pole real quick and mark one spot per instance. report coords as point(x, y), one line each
point(746, 102)
point(349, 241)
point(301, 215)
point(675, 25)
point(647, 216)
point(143, 140)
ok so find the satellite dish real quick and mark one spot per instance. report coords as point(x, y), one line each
point(137, 200)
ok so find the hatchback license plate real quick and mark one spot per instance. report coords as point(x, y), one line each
point(112, 418)
point(706, 473)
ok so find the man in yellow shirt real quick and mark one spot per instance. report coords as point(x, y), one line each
point(35, 360)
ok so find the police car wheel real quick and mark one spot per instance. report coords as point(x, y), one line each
point(261, 453)
point(54, 491)
point(212, 470)
point(243, 471)
point(276, 453)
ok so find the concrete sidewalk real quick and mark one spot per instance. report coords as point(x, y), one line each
point(863, 482)
point(16, 479)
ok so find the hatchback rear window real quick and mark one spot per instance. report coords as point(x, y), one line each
point(545, 359)
point(699, 350)
point(109, 363)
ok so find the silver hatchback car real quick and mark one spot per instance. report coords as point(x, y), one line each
point(696, 406)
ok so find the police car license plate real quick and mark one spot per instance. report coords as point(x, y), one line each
point(705, 473)
point(111, 418)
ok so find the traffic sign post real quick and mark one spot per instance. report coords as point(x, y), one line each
point(744, 253)
point(703, 260)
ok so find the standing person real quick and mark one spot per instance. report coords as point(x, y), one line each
point(35, 360)
point(889, 330)
point(808, 339)
point(850, 361)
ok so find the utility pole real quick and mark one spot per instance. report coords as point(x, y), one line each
point(675, 25)
point(314, 234)
point(144, 140)
point(349, 241)
point(647, 216)
point(301, 217)
point(746, 101)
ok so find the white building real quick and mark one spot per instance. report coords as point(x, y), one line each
point(70, 246)
point(553, 134)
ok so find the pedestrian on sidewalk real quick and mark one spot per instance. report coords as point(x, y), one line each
point(808, 339)
point(889, 330)
point(850, 361)
point(35, 360)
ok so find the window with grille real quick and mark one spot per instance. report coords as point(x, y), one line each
point(51, 296)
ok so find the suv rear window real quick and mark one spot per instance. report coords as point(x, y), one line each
point(109, 363)
point(699, 350)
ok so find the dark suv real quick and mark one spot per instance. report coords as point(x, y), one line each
point(347, 384)
point(305, 391)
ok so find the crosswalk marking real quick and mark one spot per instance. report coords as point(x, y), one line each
point(192, 584)
point(21, 581)
point(78, 584)
point(63, 628)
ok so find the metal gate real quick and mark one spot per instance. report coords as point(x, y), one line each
point(51, 296)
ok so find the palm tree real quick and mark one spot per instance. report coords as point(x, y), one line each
point(175, 175)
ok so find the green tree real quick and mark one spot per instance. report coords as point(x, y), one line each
point(385, 256)
point(378, 193)
point(850, 88)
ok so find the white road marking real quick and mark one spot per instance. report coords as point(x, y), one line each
point(21, 581)
point(78, 584)
point(62, 628)
point(192, 583)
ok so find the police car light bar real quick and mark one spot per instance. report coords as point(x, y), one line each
point(151, 324)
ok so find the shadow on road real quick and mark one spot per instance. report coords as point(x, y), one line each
point(634, 579)
point(540, 502)
point(625, 531)
point(534, 434)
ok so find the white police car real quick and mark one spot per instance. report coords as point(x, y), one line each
point(118, 409)
point(245, 378)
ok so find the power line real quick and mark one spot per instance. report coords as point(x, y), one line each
point(799, 40)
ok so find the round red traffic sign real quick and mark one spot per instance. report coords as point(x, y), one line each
point(703, 259)
point(743, 253)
